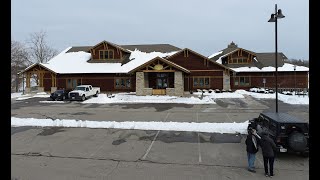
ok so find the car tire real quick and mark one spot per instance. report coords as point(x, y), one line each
point(83, 97)
point(297, 141)
point(63, 98)
point(96, 95)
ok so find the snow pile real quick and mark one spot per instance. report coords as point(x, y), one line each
point(165, 126)
point(16, 95)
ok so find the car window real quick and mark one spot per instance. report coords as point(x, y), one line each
point(87, 89)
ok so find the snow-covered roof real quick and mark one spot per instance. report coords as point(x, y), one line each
point(76, 62)
point(215, 54)
point(285, 67)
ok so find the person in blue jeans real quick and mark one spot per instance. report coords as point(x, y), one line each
point(252, 147)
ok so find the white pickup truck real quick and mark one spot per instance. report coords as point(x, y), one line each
point(83, 92)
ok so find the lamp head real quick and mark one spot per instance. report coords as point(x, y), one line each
point(272, 18)
point(279, 14)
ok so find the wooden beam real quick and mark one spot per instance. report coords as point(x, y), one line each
point(158, 71)
point(28, 80)
point(203, 70)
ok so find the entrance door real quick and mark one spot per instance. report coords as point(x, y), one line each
point(162, 80)
point(161, 84)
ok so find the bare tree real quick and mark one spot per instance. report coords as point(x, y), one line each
point(19, 61)
point(39, 50)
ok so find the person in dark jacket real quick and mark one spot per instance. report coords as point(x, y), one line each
point(268, 148)
point(252, 147)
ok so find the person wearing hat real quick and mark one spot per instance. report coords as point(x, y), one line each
point(252, 147)
point(268, 147)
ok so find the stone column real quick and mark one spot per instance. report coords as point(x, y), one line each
point(226, 80)
point(27, 90)
point(178, 83)
point(40, 89)
point(139, 83)
point(53, 89)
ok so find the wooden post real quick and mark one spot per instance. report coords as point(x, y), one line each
point(28, 80)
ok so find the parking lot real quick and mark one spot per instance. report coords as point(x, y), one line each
point(83, 153)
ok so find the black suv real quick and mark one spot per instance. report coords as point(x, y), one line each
point(288, 132)
point(60, 94)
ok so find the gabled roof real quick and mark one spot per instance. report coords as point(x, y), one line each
point(141, 47)
point(163, 60)
point(268, 59)
point(261, 61)
point(36, 64)
point(79, 48)
point(226, 52)
point(152, 47)
point(77, 62)
point(112, 44)
point(182, 50)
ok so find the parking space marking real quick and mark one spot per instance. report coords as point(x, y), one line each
point(155, 137)
point(229, 117)
point(199, 150)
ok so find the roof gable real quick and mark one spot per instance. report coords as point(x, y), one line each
point(106, 43)
point(157, 64)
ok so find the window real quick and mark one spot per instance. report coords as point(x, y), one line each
point(72, 83)
point(241, 60)
point(201, 82)
point(106, 54)
point(122, 83)
point(242, 81)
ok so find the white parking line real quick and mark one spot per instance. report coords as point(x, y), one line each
point(155, 137)
point(229, 117)
point(199, 150)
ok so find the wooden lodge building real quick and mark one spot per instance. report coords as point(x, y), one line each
point(162, 69)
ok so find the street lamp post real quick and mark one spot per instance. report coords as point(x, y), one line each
point(274, 18)
point(295, 82)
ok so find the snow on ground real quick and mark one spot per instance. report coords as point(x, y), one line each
point(289, 99)
point(132, 98)
point(164, 126)
point(16, 95)
point(21, 96)
point(208, 98)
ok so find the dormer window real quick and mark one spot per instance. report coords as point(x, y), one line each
point(106, 54)
point(238, 61)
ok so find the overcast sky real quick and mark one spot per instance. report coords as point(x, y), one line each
point(204, 26)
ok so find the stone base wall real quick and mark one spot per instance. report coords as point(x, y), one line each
point(170, 91)
point(40, 89)
point(147, 91)
point(27, 90)
point(53, 89)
